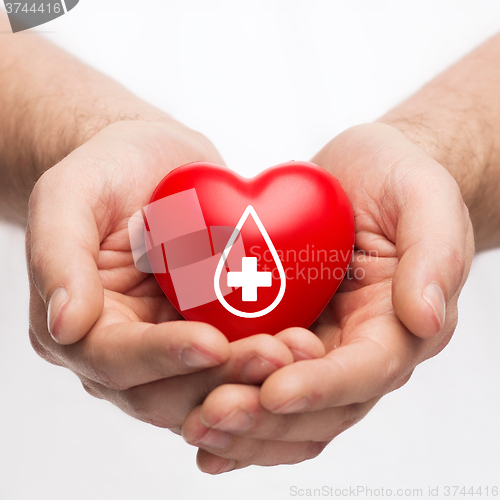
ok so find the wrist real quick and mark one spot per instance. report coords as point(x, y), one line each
point(456, 119)
point(51, 104)
point(463, 143)
point(53, 136)
point(459, 142)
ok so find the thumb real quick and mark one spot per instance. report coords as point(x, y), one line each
point(62, 246)
point(435, 246)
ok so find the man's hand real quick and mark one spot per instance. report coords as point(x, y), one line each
point(107, 321)
point(110, 323)
point(414, 247)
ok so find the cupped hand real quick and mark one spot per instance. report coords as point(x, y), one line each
point(93, 312)
point(397, 308)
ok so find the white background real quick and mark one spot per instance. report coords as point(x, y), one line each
point(268, 82)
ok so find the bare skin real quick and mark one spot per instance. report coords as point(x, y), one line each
point(91, 156)
point(416, 180)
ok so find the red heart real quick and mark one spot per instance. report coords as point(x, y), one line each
point(307, 216)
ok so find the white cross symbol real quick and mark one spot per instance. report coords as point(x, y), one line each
point(249, 279)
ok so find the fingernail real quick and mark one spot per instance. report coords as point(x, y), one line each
point(256, 369)
point(194, 358)
point(58, 300)
point(214, 439)
point(434, 296)
point(293, 406)
point(237, 421)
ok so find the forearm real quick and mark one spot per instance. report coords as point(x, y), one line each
point(50, 103)
point(456, 120)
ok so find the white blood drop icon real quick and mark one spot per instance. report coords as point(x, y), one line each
point(249, 279)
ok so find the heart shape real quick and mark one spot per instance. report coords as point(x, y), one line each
point(249, 256)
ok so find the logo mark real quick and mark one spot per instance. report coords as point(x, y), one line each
point(249, 279)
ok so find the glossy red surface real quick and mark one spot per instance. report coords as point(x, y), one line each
point(308, 218)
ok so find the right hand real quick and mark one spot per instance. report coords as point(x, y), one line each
point(412, 230)
point(93, 312)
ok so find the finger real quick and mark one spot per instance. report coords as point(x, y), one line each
point(302, 343)
point(212, 464)
point(167, 402)
point(250, 451)
point(236, 409)
point(380, 354)
point(255, 452)
point(62, 249)
point(118, 311)
point(434, 245)
point(124, 355)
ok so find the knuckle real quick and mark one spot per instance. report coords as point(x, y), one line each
point(140, 408)
point(308, 451)
point(452, 319)
point(252, 455)
point(351, 415)
point(41, 350)
point(98, 363)
point(391, 375)
point(40, 257)
point(92, 390)
point(43, 186)
point(282, 430)
point(104, 377)
point(38, 260)
point(402, 381)
point(453, 259)
point(161, 364)
point(314, 448)
point(97, 372)
point(37, 190)
point(457, 260)
point(332, 432)
point(36, 344)
point(352, 418)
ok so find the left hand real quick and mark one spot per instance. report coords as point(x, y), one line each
point(379, 326)
point(116, 330)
